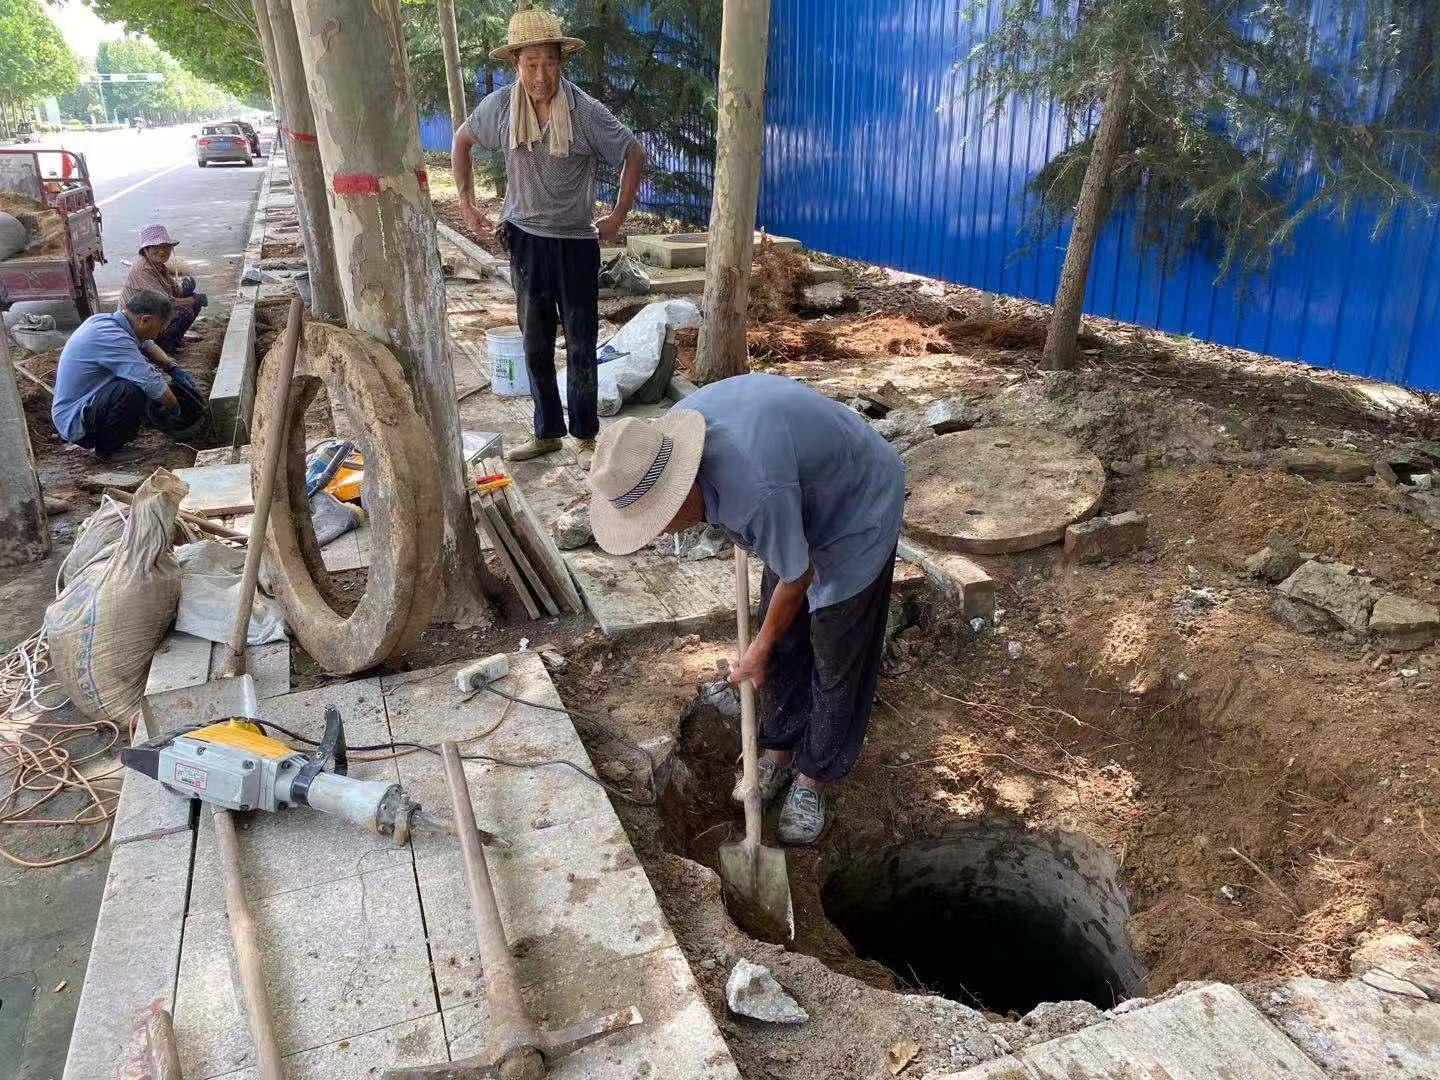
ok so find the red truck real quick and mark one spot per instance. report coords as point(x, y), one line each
point(54, 186)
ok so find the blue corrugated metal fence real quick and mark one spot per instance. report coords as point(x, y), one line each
point(873, 151)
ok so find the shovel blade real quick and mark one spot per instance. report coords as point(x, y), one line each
point(757, 884)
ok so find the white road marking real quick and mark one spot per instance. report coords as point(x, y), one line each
point(139, 184)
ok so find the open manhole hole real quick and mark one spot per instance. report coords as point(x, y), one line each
point(993, 916)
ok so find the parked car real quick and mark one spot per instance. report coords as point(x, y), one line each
point(222, 142)
point(251, 135)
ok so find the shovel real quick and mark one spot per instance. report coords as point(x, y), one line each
point(754, 875)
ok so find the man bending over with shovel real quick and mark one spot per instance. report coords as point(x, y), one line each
point(802, 482)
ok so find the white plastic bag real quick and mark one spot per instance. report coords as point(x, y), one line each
point(629, 358)
point(103, 628)
point(210, 591)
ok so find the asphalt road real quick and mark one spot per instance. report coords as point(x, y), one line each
point(150, 177)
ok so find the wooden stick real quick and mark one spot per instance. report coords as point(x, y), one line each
point(164, 1054)
point(258, 1014)
point(35, 379)
point(204, 524)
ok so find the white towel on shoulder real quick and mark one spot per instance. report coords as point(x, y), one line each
point(525, 125)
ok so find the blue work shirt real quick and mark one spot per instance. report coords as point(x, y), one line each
point(104, 347)
point(801, 481)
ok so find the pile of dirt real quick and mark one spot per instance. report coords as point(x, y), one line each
point(49, 238)
point(777, 276)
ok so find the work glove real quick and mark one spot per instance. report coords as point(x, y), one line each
point(201, 300)
point(187, 285)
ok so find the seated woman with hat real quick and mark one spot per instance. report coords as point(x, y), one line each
point(152, 274)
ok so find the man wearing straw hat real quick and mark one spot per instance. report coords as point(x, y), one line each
point(805, 484)
point(551, 133)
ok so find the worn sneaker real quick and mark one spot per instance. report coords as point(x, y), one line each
point(773, 779)
point(802, 816)
point(120, 457)
point(532, 448)
point(585, 452)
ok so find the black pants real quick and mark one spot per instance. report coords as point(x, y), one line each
point(820, 683)
point(172, 338)
point(112, 416)
point(557, 282)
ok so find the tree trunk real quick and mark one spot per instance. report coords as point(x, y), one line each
point(1089, 216)
point(307, 172)
point(272, 65)
point(450, 48)
point(385, 247)
point(490, 80)
point(744, 38)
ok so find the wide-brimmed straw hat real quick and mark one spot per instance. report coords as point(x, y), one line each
point(642, 472)
point(534, 26)
point(155, 236)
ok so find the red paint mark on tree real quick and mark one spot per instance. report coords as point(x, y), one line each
point(355, 184)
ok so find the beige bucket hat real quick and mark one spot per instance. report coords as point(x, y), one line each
point(642, 472)
point(535, 26)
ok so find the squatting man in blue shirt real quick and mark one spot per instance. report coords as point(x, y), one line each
point(805, 484)
point(112, 377)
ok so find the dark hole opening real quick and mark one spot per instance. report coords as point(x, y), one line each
point(994, 917)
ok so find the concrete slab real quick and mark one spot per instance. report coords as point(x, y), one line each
point(620, 598)
point(217, 490)
point(677, 1028)
point(688, 249)
point(342, 959)
point(1357, 1030)
point(1201, 1034)
point(181, 660)
point(232, 394)
point(571, 897)
point(135, 954)
point(17, 999)
point(301, 849)
point(414, 1043)
point(995, 490)
point(955, 575)
point(147, 808)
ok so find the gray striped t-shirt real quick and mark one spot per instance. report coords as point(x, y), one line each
point(545, 195)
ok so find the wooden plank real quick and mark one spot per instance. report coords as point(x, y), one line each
point(218, 490)
point(511, 570)
point(517, 553)
point(542, 545)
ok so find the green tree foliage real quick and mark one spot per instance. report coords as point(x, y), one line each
point(1244, 117)
point(180, 97)
point(34, 59)
point(215, 40)
point(480, 25)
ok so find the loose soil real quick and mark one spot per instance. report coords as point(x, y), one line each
point(50, 230)
point(1270, 796)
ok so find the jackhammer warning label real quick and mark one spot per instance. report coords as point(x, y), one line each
point(190, 776)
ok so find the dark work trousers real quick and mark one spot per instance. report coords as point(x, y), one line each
point(557, 282)
point(112, 416)
point(820, 682)
point(172, 338)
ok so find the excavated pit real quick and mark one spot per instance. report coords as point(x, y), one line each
point(995, 916)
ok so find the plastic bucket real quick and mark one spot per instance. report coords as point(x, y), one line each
point(509, 377)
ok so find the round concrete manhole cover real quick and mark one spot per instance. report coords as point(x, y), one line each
point(998, 490)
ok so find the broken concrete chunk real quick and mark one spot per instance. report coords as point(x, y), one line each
point(825, 298)
point(1106, 537)
point(97, 482)
point(572, 529)
point(1318, 463)
point(1405, 623)
point(752, 991)
point(904, 429)
point(1403, 957)
point(950, 414)
point(1275, 562)
point(1336, 589)
point(1302, 617)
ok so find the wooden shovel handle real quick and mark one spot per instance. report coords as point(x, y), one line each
point(749, 732)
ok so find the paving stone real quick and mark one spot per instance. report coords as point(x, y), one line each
point(1276, 561)
point(341, 959)
point(181, 660)
point(135, 953)
point(620, 599)
point(1334, 588)
point(571, 897)
point(1301, 616)
point(268, 665)
point(1105, 537)
point(301, 848)
point(956, 575)
point(1405, 623)
point(1356, 1031)
point(101, 479)
point(677, 1037)
point(950, 414)
point(1200, 1034)
point(414, 1043)
point(147, 808)
point(1324, 464)
point(1399, 954)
